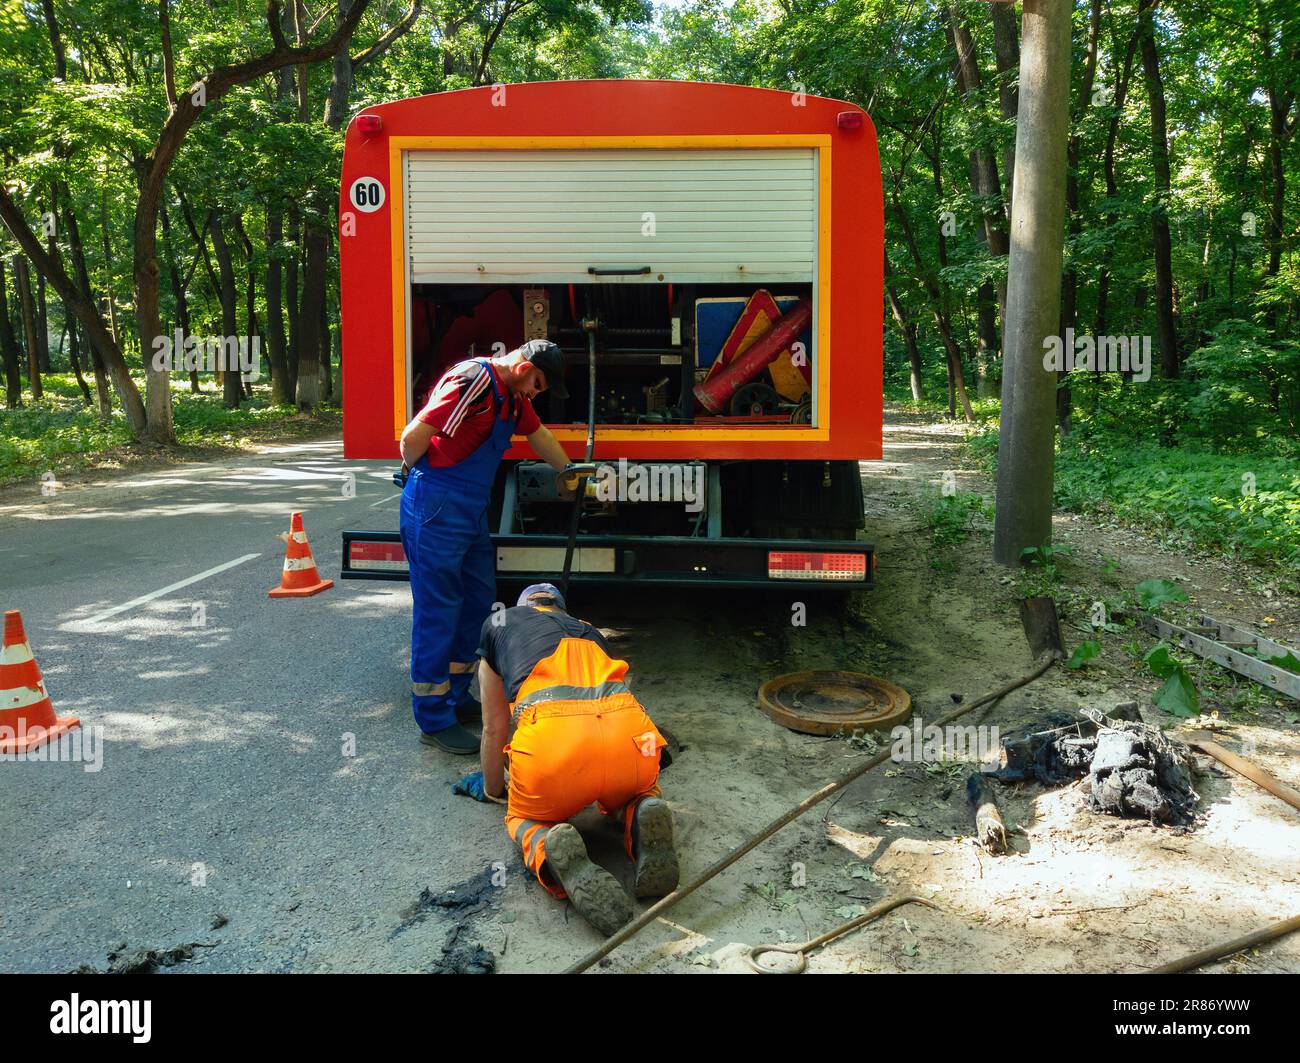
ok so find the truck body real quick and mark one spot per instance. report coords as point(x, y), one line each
point(657, 232)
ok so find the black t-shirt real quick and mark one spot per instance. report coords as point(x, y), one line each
point(514, 640)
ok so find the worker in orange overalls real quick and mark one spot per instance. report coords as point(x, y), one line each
point(580, 736)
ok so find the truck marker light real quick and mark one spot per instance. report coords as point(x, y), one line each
point(791, 564)
point(369, 125)
point(849, 121)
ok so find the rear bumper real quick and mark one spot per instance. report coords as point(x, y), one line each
point(624, 559)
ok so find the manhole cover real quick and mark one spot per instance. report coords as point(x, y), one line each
point(822, 703)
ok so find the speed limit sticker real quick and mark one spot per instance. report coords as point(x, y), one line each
point(367, 194)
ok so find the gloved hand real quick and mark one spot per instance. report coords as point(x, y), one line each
point(571, 476)
point(471, 785)
point(399, 477)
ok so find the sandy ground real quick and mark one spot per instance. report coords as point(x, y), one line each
point(321, 867)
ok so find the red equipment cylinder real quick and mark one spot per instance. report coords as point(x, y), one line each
point(715, 394)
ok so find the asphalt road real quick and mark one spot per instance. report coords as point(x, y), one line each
point(229, 788)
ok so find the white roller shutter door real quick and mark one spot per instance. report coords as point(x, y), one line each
point(707, 216)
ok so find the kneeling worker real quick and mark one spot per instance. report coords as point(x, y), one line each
point(580, 736)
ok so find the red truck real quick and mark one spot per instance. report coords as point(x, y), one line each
point(709, 258)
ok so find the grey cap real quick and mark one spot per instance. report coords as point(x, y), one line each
point(541, 588)
point(550, 360)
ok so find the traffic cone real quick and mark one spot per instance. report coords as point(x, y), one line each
point(27, 717)
point(299, 578)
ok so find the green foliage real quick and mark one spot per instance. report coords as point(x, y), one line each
point(1153, 593)
point(952, 517)
point(60, 433)
point(1178, 696)
point(1083, 653)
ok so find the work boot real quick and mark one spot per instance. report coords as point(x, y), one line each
point(652, 841)
point(454, 739)
point(595, 893)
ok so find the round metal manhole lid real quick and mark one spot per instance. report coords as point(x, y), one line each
point(824, 703)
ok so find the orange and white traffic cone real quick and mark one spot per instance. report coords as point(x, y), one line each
point(27, 717)
point(299, 578)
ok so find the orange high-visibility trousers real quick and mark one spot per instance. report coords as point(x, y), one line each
point(580, 737)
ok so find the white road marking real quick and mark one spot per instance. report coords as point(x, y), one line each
point(167, 590)
point(383, 500)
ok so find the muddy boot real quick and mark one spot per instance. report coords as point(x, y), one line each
point(595, 893)
point(652, 841)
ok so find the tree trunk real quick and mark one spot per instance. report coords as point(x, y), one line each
point(108, 270)
point(291, 307)
point(908, 328)
point(1025, 446)
point(1161, 245)
point(1006, 49)
point(956, 383)
point(23, 285)
point(326, 349)
point(1070, 284)
point(1112, 187)
point(250, 305)
point(9, 348)
point(74, 356)
point(276, 354)
point(986, 354)
point(233, 388)
point(178, 292)
point(83, 283)
point(42, 326)
point(313, 306)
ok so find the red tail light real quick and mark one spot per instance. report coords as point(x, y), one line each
point(364, 555)
point(369, 124)
point(840, 568)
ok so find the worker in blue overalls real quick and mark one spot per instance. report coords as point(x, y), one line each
point(452, 449)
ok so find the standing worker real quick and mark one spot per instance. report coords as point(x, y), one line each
point(453, 448)
point(580, 736)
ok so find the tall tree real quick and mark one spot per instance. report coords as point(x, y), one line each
point(1025, 445)
point(1166, 330)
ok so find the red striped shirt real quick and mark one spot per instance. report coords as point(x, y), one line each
point(462, 410)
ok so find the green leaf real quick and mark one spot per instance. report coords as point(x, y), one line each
point(1083, 653)
point(1159, 661)
point(1178, 696)
point(1288, 660)
point(1153, 593)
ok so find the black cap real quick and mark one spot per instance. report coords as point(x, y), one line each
point(550, 360)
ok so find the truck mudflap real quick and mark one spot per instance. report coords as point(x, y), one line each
point(664, 560)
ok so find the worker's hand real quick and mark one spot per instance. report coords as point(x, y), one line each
point(568, 479)
point(399, 477)
point(471, 785)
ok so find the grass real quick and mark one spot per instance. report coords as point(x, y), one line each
point(1247, 505)
point(60, 434)
point(1239, 501)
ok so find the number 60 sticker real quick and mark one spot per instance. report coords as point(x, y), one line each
point(367, 194)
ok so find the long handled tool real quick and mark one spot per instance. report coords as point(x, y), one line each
point(1227, 948)
point(682, 892)
point(590, 324)
point(798, 951)
point(1204, 741)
